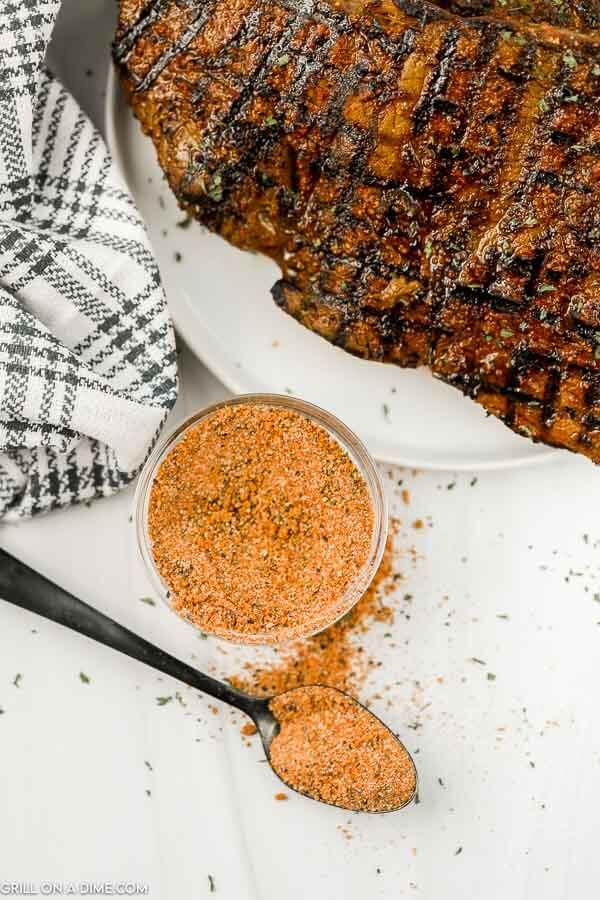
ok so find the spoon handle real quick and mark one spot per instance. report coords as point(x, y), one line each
point(22, 586)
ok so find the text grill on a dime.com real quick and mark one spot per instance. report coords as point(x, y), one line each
point(73, 889)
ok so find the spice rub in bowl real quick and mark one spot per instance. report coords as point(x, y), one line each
point(264, 519)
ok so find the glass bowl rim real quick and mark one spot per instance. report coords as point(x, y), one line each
point(357, 452)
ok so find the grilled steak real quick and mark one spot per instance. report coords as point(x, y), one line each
point(428, 184)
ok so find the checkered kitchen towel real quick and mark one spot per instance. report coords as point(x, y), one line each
point(87, 357)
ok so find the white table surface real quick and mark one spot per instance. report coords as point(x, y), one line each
point(509, 766)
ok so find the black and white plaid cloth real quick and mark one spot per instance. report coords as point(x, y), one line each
point(87, 355)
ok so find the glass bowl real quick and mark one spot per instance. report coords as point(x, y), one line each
point(359, 455)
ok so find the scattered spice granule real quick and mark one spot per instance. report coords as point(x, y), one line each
point(281, 796)
point(334, 750)
point(248, 729)
point(259, 521)
point(418, 524)
point(331, 657)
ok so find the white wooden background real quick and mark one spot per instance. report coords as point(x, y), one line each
point(509, 762)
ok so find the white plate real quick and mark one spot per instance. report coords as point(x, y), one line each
point(220, 302)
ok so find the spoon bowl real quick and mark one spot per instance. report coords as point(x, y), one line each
point(340, 758)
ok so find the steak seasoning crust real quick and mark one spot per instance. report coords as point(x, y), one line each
point(334, 750)
point(259, 521)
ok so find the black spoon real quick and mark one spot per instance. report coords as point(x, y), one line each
point(22, 586)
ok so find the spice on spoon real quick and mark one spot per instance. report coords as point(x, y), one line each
point(334, 750)
point(259, 521)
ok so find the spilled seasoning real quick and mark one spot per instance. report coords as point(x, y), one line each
point(332, 657)
point(259, 521)
point(334, 750)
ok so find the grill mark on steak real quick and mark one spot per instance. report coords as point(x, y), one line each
point(191, 32)
point(502, 119)
point(437, 82)
point(367, 263)
point(149, 14)
point(579, 16)
point(247, 29)
point(254, 81)
point(524, 193)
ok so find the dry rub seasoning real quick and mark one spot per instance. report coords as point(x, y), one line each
point(333, 657)
point(331, 748)
point(259, 521)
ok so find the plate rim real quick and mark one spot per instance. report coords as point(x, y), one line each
point(184, 324)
